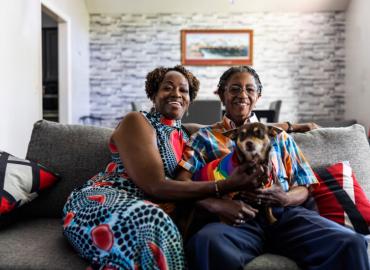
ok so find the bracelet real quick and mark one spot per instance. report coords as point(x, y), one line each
point(290, 128)
point(216, 187)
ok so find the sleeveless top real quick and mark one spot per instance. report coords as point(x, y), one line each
point(171, 141)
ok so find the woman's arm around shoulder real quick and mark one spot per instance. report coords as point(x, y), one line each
point(192, 128)
point(301, 128)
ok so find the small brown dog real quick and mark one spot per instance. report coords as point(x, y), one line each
point(253, 142)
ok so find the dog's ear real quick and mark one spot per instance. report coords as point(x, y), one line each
point(231, 134)
point(274, 131)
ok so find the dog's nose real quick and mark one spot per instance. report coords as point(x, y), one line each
point(249, 143)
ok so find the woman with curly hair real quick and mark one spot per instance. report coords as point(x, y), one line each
point(123, 218)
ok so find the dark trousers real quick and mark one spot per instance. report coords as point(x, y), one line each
point(299, 234)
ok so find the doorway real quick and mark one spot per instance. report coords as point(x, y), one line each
point(50, 83)
point(56, 64)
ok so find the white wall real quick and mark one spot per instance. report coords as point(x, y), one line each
point(20, 67)
point(20, 78)
point(358, 62)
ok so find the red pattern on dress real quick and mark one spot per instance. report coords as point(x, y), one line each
point(102, 237)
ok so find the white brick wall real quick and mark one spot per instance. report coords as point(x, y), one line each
point(299, 57)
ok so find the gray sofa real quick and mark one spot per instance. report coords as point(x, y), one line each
point(77, 153)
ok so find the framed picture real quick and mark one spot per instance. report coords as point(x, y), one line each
point(217, 47)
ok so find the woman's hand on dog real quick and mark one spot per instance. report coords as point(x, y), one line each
point(233, 213)
point(239, 180)
point(274, 195)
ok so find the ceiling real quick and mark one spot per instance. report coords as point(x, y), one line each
point(213, 6)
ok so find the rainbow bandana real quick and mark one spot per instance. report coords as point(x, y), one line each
point(220, 169)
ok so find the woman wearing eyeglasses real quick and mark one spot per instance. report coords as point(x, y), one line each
point(245, 233)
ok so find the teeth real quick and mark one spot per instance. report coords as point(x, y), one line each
point(173, 102)
point(241, 103)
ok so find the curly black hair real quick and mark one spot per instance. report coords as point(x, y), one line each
point(225, 77)
point(155, 77)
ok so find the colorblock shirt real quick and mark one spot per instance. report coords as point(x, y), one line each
point(208, 144)
point(220, 169)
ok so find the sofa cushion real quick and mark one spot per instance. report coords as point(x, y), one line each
point(8, 218)
point(269, 261)
point(340, 198)
point(75, 152)
point(37, 244)
point(21, 181)
point(328, 146)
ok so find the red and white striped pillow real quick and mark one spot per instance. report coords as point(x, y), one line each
point(340, 198)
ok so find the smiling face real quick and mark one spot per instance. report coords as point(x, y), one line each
point(238, 108)
point(172, 98)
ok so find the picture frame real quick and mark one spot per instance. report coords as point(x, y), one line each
point(209, 47)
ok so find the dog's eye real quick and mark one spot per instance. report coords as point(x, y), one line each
point(258, 132)
point(241, 134)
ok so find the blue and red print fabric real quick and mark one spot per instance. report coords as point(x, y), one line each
point(113, 223)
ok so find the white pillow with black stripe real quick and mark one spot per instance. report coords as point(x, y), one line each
point(21, 181)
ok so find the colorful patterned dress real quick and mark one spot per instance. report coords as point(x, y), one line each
point(112, 223)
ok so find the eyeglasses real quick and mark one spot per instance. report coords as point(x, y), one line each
point(234, 90)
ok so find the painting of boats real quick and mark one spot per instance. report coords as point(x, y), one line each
point(217, 47)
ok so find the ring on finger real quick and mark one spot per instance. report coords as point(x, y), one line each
point(259, 201)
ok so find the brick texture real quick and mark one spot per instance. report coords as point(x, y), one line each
point(299, 57)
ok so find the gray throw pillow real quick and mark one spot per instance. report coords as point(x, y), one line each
point(328, 146)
